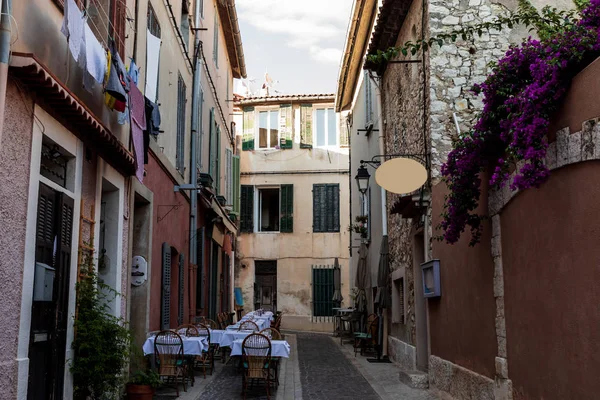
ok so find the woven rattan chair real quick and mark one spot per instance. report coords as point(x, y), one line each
point(206, 360)
point(368, 339)
point(169, 358)
point(211, 324)
point(271, 333)
point(187, 330)
point(256, 358)
point(248, 326)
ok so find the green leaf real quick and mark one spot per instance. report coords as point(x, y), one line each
point(404, 51)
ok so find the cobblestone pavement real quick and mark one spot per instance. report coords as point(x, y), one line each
point(326, 373)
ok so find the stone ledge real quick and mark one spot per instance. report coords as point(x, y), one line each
point(415, 379)
point(459, 382)
point(402, 353)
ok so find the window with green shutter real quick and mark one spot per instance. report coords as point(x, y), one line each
point(323, 288)
point(306, 128)
point(229, 176)
point(286, 131)
point(326, 207)
point(248, 129)
point(236, 185)
point(344, 131)
point(247, 208)
point(165, 311)
point(217, 176)
point(287, 209)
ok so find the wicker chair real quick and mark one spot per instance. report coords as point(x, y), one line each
point(272, 333)
point(207, 359)
point(248, 326)
point(256, 358)
point(211, 324)
point(368, 339)
point(169, 358)
point(187, 330)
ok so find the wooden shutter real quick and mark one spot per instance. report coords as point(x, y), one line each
point(368, 99)
point(165, 314)
point(247, 209)
point(248, 129)
point(181, 288)
point(45, 231)
point(180, 151)
point(200, 277)
point(287, 209)
point(344, 132)
point(326, 208)
point(323, 288)
point(236, 185)
point(285, 126)
point(218, 160)
point(306, 132)
point(216, 41)
point(229, 176)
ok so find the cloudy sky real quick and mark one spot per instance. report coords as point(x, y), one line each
point(299, 42)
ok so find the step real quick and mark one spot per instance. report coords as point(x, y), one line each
point(415, 379)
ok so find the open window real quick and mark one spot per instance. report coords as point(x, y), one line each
point(268, 210)
point(268, 129)
point(326, 127)
point(272, 206)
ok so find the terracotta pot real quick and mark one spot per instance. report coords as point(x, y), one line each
point(139, 392)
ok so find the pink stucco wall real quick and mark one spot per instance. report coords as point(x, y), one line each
point(15, 153)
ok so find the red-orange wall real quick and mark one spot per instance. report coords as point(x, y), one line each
point(462, 320)
point(173, 229)
point(551, 257)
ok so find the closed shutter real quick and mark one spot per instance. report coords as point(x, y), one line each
point(180, 151)
point(247, 209)
point(344, 132)
point(216, 41)
point(218, 160)
point(306, 133)
point(165, 314)
point(323, 288)
point(200, 131)
point(287, 209)
point(285, 127)
point(326, 208)
point(248, 129)
point(181, 289)
point(44, 243)
point(200, 279)
point(229, 176)
point(236, 185)
point(368, 99)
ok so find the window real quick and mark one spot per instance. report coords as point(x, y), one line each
point(180, 152)
point(216, 41)
point(326, 207)
point(399, 296)
point(326, 127)
point(184, 25)
point(152, 58)
point(153, 25)
point(201, 8)
point(268, 129)
point(274, 208)
point(368, 100)
point(215, 152)
point(268, 210)
point(106, 20)
point(229, 176)
point(323, 289)
point(365, 207)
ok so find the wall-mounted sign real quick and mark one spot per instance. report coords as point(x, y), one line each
point(401, 175)
point(139, 270)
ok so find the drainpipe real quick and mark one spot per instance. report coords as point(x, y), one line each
point(4, 57)
point(195, 129)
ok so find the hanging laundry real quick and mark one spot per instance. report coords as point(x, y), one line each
point(117, 86)
point(152, 118)
point(134, 72)
point(152, 61)
point(95, 55)
point(137, 107)
point(72, 27)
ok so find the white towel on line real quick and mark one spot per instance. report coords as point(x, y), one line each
point(152, 57)
point(73, 27)
point(95, 55)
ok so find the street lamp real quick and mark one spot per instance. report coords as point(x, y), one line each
point(362, 179)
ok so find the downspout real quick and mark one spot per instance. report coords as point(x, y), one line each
point(5, 30)
point(193, 144)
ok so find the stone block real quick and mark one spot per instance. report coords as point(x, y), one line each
point(596, 140)
point(459, 81)
point(496, 246)
point(574, 147)
point(551, 156)
point(502, 346)
point(467, 18)
point(502, 367)
point(473, 3)
point(450, 20)
point(562, 147)
point(503, 389)
point(500, 326)
point(587, 144)
point(461, 105)
point(496, 226)
point(498, 285)
point(414, 379)
point(459, 382)
point(500, 306)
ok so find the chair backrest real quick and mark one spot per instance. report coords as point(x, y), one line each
point(248, 326)
point(168, 352)
point(203, 331)
point(256, 354)
point(271, 333)
point(211, 324)
point(373, 329)
point(187, 330)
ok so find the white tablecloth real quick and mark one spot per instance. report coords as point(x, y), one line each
point(216, 336)
point(229, 336)
point(191, 345)
point(262, 323)
point(279, 348)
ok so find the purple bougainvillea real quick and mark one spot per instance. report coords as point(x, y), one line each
point(520, 95)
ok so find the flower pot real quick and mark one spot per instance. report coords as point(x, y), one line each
point(139, 392)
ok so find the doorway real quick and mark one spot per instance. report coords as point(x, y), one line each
point(420, 305)
point(265, 294)
point(49, 311)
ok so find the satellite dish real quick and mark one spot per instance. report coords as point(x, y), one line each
point(401, 175)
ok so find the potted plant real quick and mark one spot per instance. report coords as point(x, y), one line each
point(360, 226)
point(142, 385)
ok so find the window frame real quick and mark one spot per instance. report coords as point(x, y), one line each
point(269, 110)
point(337, 228)
point(181, 122)
point(258, 211)
point(316, 131)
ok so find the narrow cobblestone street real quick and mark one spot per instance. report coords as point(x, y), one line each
point(318, 368)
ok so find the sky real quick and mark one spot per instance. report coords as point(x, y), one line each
point(298, 42)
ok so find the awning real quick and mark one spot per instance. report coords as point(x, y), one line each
point(71, 111)
point(216, 207)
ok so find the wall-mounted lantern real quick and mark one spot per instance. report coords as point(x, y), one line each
point(362, 179)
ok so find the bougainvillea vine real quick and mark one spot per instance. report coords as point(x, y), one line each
point(520, 95)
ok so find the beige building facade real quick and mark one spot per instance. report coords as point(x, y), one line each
point(294, 215)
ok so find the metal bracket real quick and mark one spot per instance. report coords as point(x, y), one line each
point(173, 207)
point(187, 186)
point(422, 158)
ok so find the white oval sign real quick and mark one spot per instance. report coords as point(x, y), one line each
point(401, 175)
